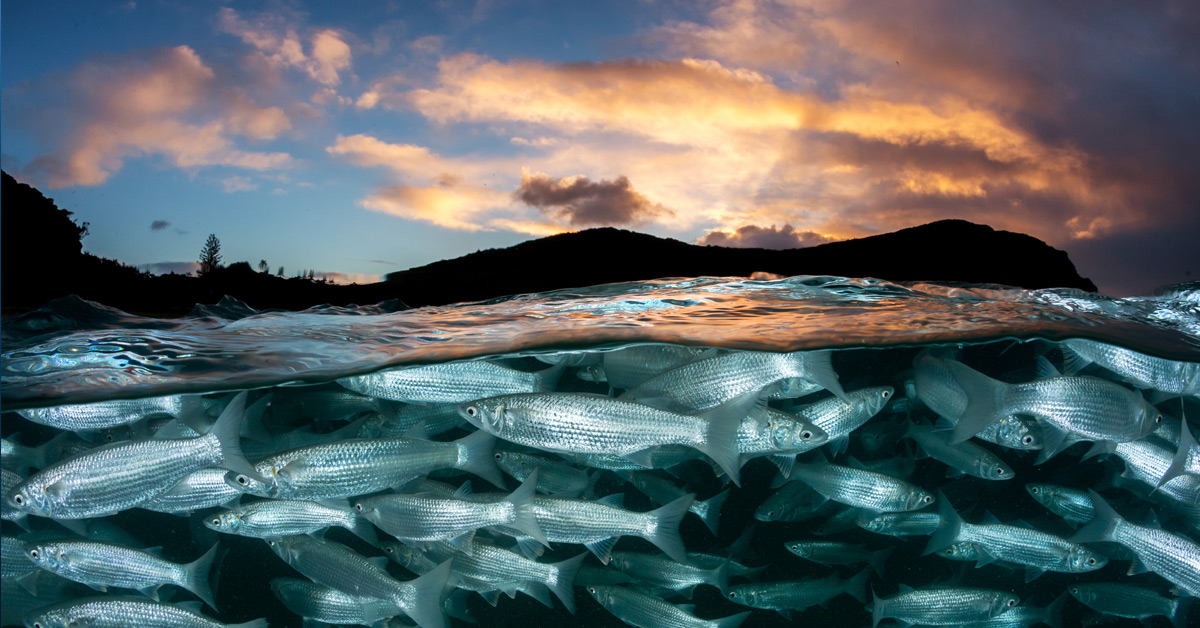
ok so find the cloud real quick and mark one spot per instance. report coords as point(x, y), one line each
point(163, 268)
point(453, 206)
point(583, 203)
point(275, 38)
point(238, 184)
point(159, 225)
point(773, 237)
point(165, 102)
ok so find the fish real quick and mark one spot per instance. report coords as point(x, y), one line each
point(786, 597)
point(1140, 369)
point(426, 517)
point(451, 382)
point(665, 573)
point(962, 458)
point(1172, 556)
point(1124, 600)
point(663, 491)
point(485, 562)
point(935, 386)
point(839, 553)
point(125, 475)
point(102, 565)
point(839, 417)
point(711, 382)
point(331, 606)
point(554, 477)
point(900, 523)
point(646, 611)
point(282, 517)
point(861, 488)
point(629, 366)
point(1071, 504)
point(591, 424)
point(337, 566)
point(779, 436)
point(105, 414)
point(128, 612)
point(942, 605)
point(1088, 408)
point(197, 490)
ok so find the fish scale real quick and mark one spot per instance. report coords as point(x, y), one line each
point(944, 606)
point(328, 605)
point(1176, 557)
point(862, 488)
point(446, 383)
point(197, 490)
point(279, 517)
point(104, 414)
point(1088, 406)
point(1145, 371)
point(126, 612)
point(639, 609)
point(421, 518)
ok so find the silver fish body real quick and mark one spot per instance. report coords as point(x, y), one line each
point(1124, 600)
point(900, 523)
point(197, 490)
point(646, 611)
point(554, 477)
point(838, 418)
point(488, 563)
point(329, 605)
point(935, 386)
point(943, 606)
point(125, 612)
point(862, 488)
point(452, 382)
point(775, 433)
point(105, 414)
point(1140, 369)
point(967, 457)
point(663, 572)
point(710, 382)
point(101, 565)
point(630, 366)
point(1071, 504)
point(591, 424)
point(281, 517)
point(839, 553)
point(797, 595)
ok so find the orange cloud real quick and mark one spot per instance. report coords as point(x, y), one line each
point(278, 43)
point(453, 206)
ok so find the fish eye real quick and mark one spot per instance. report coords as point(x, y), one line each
point(733, 595)
point(927, 499)
point(1091, 561)
point(498, 456)
point(358, 507)
point(1158, 419)
point(1074, 589)
point(886, 394)
point(389, 549)
point(243, 480)
point(20, 501)
point(1028, 440)
point(591, 589)
point(33, 553)
point(806, 435)
point(216, 521)
point(37, 624)
point(472, 411)
point(1012, 602)
point(109, 437)
point(1035, 490)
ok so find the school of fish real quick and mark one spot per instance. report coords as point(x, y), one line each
point(1065, 485)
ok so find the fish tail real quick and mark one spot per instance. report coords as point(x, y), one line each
point(857, 585)
point(476, 456)
point(1179, 462)
point(733, 621)
point(428, 591)
point(525, 519)
point(1052, 614)
point(1073, 361)
point(547, 379)
point(665, 532)
point(983, 400)
point(720, 439)
point(711, 508)
point(1179, 611)
point(877, 608)
point(1101, 526)
point(362, 528)
point(720, 577)
point(818, 368)
point(227, 430)
point(195, 577)
point(564, 582)
point(879, 559)
point(948, 530)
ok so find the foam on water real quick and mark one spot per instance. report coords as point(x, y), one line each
point(74, 351)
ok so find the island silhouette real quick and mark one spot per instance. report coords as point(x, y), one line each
point(43, 260)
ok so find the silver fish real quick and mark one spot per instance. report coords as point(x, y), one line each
point(646, 611)
point(452, 382)
point(105, 414)
point(942, 606)
point(838, 418)
point(1088, 408)
point(711, 382)
point(485, 562)
point(436, 518)
point(839, 553)
point(126, 612)
point(16, 563)
point(281, 517)
point(935, 386)
point(101, 565)
point(127, 474)
point(197, 490)
point(1038, 551)
point(360, 466)
point(1139, 369)
point(8, 510)
point(554, 477)
point(965, 458)
point(1124, 600)
point(590, 424)
point(665, 573)
point(434, 419)
point(1071, 504)
point(328, 605)
point(862, 488)
point(335, 565)
point(779, 436)
point(629, 366)
point(900, 523)
point(796, 595)
point(663, 491)
point(1172, 556)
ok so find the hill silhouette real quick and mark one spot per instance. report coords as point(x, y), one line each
point(43, 259)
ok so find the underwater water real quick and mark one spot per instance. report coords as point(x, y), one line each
point(321, 376)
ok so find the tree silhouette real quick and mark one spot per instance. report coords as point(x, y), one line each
point(210, 255)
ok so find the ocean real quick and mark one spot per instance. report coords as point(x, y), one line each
point(77, 352)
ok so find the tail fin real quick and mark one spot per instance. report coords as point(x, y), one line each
point(720, 442)
point(720, 577)
point(525, 518)
point(428, 592)
point(564, 580)
point(983, 400)
point(195, 577)
point(709, 510)
point(948, 530)
point(818, 368)
point(227, 431)
point(666, 528)
point(478, 457)
point(363, 529)
point(877, 608)
point(1181, 607)
point(1052, 614)
point(547, 379)
point(1179, 462)
point(857, 585)
point(879, 559)
point(1102, 525)
point(733, 621)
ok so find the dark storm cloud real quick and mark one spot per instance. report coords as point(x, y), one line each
point(584, 203)
point(159, 225)
point(755, 237)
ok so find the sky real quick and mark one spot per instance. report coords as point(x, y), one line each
point(364, 138)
